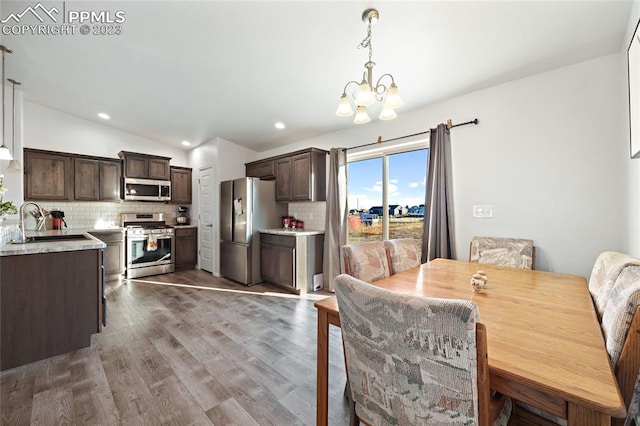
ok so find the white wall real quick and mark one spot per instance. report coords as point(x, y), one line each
point(46, 128)
point(630, 167)
point(546, 155)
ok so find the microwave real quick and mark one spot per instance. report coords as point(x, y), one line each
point(147, 190)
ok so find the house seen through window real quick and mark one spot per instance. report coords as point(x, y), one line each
point(386, 193)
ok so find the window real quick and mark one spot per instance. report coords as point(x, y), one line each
point(386, 192)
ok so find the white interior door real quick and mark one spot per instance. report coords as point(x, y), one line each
point(205, 218)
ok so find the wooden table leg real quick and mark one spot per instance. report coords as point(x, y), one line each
point(322, 370)
point(582, 416)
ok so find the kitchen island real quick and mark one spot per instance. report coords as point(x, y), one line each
point(290, 258)
point(51, 295)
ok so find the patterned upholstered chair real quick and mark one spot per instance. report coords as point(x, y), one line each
point(366, 261)
point(402, 254)
point(606, 269)
point(621, 329)
point(414, 360)
point(514, 252)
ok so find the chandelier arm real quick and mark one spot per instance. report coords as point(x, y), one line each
point(344, 91)
point(382, 76)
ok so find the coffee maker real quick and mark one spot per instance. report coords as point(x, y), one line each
point(183, 216)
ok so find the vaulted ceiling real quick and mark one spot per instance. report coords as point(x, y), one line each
point(187, 70)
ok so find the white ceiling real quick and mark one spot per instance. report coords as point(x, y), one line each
point(186, 70)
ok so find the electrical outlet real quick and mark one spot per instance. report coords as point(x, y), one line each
point(484, 211)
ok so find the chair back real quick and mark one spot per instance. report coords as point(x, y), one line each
point(402, 254)
point(606, 270)
point(514, 252)
point(621, 329)
point(366, 261)
point(411, 360)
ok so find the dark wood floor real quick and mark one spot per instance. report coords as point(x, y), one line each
point(223, 354)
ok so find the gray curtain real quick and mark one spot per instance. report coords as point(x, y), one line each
point(437, 236)
point(335, 235)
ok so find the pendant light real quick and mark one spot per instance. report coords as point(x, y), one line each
point(5, 154)
point(14, 164)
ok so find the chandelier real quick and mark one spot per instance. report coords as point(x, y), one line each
point(366, 93)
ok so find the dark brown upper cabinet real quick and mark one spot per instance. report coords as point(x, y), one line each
point(97, 180)
point(145, 166)
point(65, 177)
point(264, 169)
point(300, 175)
point(181, 185)
point(48, 175)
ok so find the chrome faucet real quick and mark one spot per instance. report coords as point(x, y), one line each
point(40, 219)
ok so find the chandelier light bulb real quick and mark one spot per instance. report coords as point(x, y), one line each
point(387, 113)
point(361, 115)
point(393, 97)
point(365, 96)
point(344, 107)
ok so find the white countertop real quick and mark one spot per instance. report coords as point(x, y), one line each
point(292, 232)
point(90, 243)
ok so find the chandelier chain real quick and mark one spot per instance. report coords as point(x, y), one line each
point(366, 42)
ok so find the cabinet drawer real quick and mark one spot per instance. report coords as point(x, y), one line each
point(186, 232)
point(278, 240)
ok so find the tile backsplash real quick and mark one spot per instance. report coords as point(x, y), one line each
point(90, 215)
point(312, 213)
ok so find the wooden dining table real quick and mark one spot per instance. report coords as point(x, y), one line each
point(545, 344)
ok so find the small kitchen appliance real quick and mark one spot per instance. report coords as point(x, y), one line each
point(57, 219)
point(183, 216)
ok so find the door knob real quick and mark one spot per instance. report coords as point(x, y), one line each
point(210, 226)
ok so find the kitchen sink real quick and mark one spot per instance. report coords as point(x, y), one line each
point(53, 238)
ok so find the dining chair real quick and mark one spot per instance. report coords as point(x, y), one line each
point(415, 360)
point(621, 329)
point(514, 252)
point(402, 254)
point(366, 261)
point(606, 269)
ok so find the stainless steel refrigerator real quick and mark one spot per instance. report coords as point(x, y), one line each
point(247, 206)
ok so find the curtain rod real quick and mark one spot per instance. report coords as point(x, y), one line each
point(450, 125)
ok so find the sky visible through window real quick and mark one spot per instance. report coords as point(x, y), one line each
point(407, 179)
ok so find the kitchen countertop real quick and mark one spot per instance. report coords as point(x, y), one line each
point(90, 243)
point(292, 232)
point(178, 226)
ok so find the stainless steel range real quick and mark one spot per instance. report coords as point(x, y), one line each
point(150, 244)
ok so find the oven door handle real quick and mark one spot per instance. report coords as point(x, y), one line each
point(144, 237)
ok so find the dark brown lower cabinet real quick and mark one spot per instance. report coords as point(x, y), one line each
point(186, 248)
point(291, 261)
point(114, 263)
point(50, 304)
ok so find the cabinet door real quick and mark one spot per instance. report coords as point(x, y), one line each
point(269, 263)
point(186, 247)
point(252, 170)
point(48, 176)
point(114, 258)
point(159, 169)
point(283, 179)
point(87, 179)
point(266, 169)
point(136, 166)
point(110, 180)
point(181, 185)
point(286, 259)
point(301, 177)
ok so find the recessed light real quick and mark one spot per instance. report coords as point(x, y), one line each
point(186, 143)
point(280, 125)
point(104, 116)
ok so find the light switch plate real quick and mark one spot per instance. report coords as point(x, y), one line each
point(484, 211)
